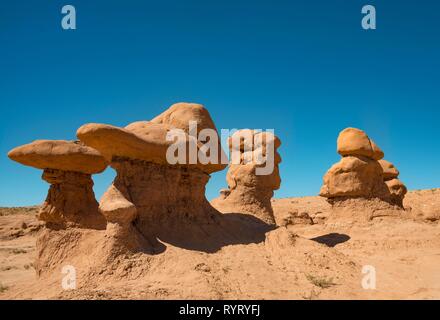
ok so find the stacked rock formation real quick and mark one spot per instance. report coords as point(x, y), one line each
point(67, 166)
point(248, 191)
point(359, 174)
point(396, 187)
point(148, 190)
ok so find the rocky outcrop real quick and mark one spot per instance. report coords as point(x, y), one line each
point(396, 188)
point(148, 191)
point(68, 166)
point(157, 198)
point(361, 173)
point(250, 191)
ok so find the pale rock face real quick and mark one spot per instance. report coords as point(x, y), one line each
point(116, 208)
point(354, 142)
point(249, 192)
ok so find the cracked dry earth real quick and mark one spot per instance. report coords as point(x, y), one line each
point(314, 254)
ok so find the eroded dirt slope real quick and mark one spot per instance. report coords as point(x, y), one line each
point(318, 252)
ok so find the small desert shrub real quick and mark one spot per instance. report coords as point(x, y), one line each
point(18, 251)
point(312, 296)
point(323, 282)
point(3, 288)
point(7, 268)
point(28, 266)
point(19, 210)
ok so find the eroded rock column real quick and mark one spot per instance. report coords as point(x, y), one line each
point(396, 187)
point(149, 192)
point(249, 189)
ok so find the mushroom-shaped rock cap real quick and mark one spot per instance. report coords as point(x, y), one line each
point(114, 141)
point(377, 152)
point(60, 155)
point(250, 140)
point(355, 142)
point(389, 170)
point(180, 114)
point(143, 140)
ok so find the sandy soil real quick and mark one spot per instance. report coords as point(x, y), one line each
point(318, 252)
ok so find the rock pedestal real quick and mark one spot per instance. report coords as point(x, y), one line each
point(148, 191)
point(68, 167)
point(70, 201)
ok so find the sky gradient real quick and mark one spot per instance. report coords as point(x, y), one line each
point(303, 68)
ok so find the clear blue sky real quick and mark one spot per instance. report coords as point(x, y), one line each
point(305, 68)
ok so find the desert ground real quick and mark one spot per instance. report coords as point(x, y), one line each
point(316, 252)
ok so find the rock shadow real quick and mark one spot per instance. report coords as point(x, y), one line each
point(210, 236)
point(331, 239)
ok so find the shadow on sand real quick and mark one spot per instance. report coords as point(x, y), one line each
point(222, 230)
point(331, 239)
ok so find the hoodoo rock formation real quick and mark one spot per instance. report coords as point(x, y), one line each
point(149, 192)
point(361, 173)
point(157, 196)
point(396, 187)
point(249, 191)
point(68, 166)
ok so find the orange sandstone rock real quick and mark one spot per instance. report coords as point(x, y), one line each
point(249, 192)
point(60, 155)
point(67, 167)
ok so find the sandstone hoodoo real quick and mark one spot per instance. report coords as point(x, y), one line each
point(396, 187)
point(361, 173)
point(148, 193)
point(68, 166)
point(157, 197)
point(250, 191)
